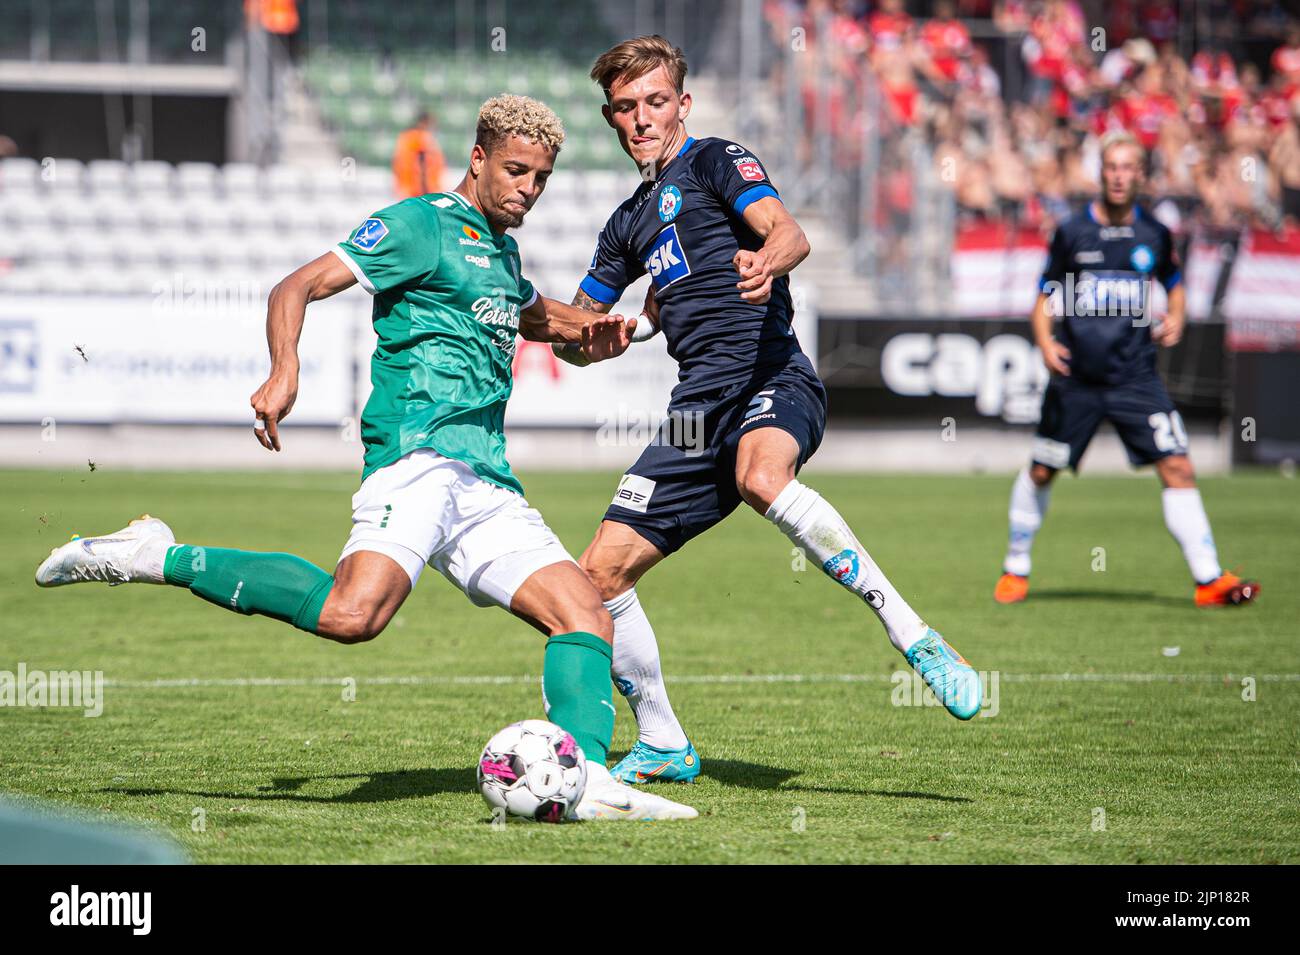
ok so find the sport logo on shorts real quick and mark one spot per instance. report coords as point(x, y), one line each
point(634, 493)
point(667, 262)
point(369, 234)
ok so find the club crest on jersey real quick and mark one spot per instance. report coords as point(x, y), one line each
point(843, 567)
point(749, 168)
point(666, 262)
point(368, 235)
point(670, 203)
point(1143, 258)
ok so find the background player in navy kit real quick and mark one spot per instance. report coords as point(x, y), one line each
point(1104, 367)
point(710, 229)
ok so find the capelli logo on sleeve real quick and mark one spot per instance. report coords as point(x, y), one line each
point(133, 909)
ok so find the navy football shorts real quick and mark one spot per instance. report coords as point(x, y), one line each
point(685, 481)
point(1141, 411)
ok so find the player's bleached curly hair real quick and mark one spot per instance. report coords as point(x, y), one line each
point(507, 114)
point(1121, 137)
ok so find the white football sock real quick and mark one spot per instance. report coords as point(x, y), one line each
point(1186, 520)
point(1028, 508)
point(638, 676)
point(809, 520)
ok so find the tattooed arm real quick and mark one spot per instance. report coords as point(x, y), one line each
point(572, 351)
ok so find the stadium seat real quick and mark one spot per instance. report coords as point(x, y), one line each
point(239, 179)
point(151, 178)
point(19, 174)
point(63, 175)
point(194, 178)
point(108, 176)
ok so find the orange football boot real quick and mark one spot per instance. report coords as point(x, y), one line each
point(1227, 590)
point(1012, 588)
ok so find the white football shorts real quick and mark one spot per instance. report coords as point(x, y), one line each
point(428, 509)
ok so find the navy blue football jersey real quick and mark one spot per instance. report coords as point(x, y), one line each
point(684, 229)
point(1103, 274)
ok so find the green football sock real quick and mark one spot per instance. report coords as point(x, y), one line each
point(575, 681)
point(282, 586)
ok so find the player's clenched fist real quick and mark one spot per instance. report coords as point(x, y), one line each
point(755, 276)
point(607, 337)
point(272, 403)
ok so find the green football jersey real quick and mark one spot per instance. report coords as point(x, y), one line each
point(447, 297)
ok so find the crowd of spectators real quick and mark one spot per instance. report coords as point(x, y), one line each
point(1012, 97)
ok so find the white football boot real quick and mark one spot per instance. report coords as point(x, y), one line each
point(607, 798)
point(135, 554)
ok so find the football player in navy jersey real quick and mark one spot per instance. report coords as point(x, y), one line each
point(709, 228)
point(1103, 367)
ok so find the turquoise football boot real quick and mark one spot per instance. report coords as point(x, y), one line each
point(954, 682)
point(646, 764)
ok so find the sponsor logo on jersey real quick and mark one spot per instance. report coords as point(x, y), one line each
point(1089, 257)
point(843, 567)
point(1143, 258)
point(476, 244)
point(369, 234)
point(761, 403)
point(670, 203)
point(480, 260)
point(634, 493)
point(735, 150)
point(488, 312)
point(471, 233)
point(749, 169)
point(667, 263)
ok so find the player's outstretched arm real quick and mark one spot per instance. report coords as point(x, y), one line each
point(592, 337)
point(286, 309)
point(784, 247)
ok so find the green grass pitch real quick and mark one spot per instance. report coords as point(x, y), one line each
point(820, 769)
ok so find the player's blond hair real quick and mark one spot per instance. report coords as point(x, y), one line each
point(633, 59)
point(508, 114)
point(1122, 137)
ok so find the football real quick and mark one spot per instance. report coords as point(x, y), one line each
point(533, 770)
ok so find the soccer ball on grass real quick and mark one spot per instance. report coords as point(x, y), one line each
point(533, 770)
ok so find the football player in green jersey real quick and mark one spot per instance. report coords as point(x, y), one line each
point(449, 300)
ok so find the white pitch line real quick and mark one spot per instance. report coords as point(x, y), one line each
point(706, 679)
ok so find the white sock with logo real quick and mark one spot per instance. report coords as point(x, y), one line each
point(638, 676)
point(1186, 520)
point(809, 520)
point(1028, 508)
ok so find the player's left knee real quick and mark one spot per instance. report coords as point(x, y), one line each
point(587, 618)
point(761, 484)
point(1176, 471)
